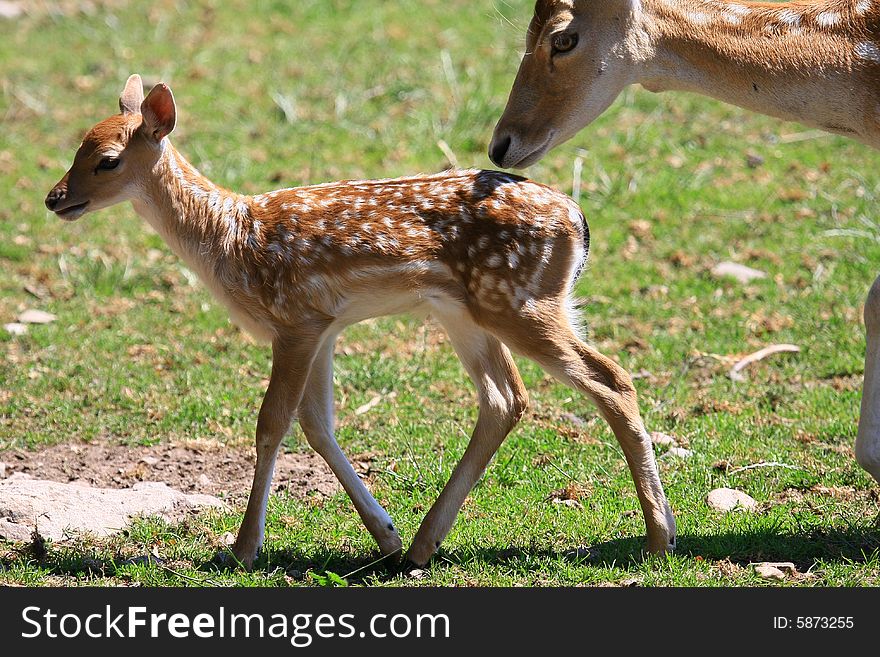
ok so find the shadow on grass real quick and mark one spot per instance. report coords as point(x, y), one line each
point(850, 545)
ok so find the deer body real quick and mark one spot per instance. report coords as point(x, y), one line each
point(817, 63)
point(492, 256)
point(813, 62)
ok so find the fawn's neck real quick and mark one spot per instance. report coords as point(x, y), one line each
point(201, 222)
point(213, 230)
point(801, 61)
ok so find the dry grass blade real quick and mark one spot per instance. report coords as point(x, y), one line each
point(760, 355)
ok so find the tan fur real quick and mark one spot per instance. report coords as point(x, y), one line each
point(493, 256)
point(813, 62)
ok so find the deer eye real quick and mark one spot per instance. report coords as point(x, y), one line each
point(107, 164)
point(564, 41)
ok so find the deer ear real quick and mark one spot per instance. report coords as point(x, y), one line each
point(159, 112)
point(132, 96)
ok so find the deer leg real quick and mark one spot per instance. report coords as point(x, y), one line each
point(868, 439)
point(316, 417)
point(581, 367)
point(503, 400)
point(291, 361)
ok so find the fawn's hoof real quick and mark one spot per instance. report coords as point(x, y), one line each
point(420, 553)
point(389, 543)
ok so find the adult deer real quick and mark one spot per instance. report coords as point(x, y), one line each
point(813, 62)
point(492, 256)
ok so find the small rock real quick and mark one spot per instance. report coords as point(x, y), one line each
point(574, 504)
point(150, 460)
point(577, 421)
point(753, 161)
point(729, 499)
point(786, 567)
point(735, 270)
point(2, 470)
point(228, 538)
point(36, 317)
point(15, 328)
point(203, 480)
point(10, 9)
point(416, 573)
point(678, 452)
point(631, 582)
point(662, 439)
point(768, 571)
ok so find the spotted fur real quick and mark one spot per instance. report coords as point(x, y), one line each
point(467, 235)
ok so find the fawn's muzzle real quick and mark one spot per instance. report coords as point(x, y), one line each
point(57, 202)
point(56, 196)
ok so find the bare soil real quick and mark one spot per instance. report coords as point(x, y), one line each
point(209, 468)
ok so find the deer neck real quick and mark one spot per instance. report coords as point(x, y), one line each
point(213, 230)
point(201, 222)
point(800, 61)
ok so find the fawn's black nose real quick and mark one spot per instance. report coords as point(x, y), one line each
point(498, 150)
point(53, 197)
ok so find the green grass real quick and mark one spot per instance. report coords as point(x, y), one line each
point(274, 94)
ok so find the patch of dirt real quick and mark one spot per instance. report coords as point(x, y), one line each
point(209, 468)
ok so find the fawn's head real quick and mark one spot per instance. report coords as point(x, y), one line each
point(117, 154)
point(575, 65)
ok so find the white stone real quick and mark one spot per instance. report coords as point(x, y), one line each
point(36, 317)
point(55, 509)
point(662, 439)
point(678, 452)
point(768, 571)
point(15, 328)
point(729, 499)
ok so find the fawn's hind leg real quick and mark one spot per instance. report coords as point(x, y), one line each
point(550, 341)
point(503, 400)
point(316, 417)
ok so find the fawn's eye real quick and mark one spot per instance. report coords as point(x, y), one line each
point(564, 41)
point(107, 163)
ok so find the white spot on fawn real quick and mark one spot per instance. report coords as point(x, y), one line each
point(739, 10)
point(827, 18)
point(867, 50)
point(862, 7)
point(789, 17)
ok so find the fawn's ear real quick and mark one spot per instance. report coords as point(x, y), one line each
point(159, 112)
point(132, 96)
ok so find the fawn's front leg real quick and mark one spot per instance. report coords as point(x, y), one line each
point(291, 362)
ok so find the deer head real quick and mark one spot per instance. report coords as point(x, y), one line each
point(577, 61)
point(116, 153)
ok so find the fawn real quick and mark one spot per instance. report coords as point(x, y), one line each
point(493, 257)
